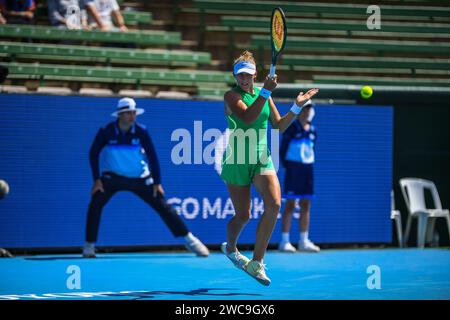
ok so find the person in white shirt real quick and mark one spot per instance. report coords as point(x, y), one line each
point(66, 14)
point(104, 15)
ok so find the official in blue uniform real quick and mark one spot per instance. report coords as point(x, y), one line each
point(297, 154)
point(129, 163)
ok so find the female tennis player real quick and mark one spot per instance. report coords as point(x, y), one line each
point(247, 159)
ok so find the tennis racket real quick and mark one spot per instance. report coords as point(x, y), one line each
point(278, 33)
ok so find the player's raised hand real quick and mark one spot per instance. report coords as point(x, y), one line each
point(271, 83)
point(302, 98)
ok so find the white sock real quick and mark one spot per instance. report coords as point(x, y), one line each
point(189, 237)
point(285, 237)
point(303, 236)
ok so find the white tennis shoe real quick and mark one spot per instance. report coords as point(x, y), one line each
point(257, 270)
point(238, 259)
point(308, 246)
point(197, 247)
point(286, 247)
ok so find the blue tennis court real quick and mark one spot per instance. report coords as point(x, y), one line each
point(331, 274)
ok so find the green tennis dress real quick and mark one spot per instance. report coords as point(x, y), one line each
point(247, 152)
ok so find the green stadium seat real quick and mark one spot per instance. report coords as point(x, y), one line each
point(51, 33)
point(329, 28)
point(382, 81)
point(335, 25)
point(211, 91)
point(357, 45)
point(137, 17)
point(118, 75)
point(365, 62)
point(132, 56)
point(319, 8)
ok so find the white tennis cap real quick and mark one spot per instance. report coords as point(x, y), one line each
point(127, 104)
point(244, 66)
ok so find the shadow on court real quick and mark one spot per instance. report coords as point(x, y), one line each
point(111, 257)
point(197, 292)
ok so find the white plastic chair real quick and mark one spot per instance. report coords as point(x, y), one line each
point(396, 216)
point(413, 190)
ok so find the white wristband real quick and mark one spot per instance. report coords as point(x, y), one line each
point(265, 93)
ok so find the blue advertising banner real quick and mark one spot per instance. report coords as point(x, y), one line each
point(44, 146)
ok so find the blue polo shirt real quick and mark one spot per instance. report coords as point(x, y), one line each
point(298, 145)
point(127, 154)
point(18, 6)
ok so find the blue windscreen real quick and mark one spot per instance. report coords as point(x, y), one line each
point(44, 145)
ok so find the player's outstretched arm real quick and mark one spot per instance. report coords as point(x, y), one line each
point(282, 123)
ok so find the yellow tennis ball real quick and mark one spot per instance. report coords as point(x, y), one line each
point(366, 92)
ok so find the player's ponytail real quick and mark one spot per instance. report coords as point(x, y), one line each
point(245, 56)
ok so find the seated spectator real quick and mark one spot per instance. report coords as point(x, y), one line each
point(101, 14)
point(2, 19)
point(17, 11)
point(66, 14)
